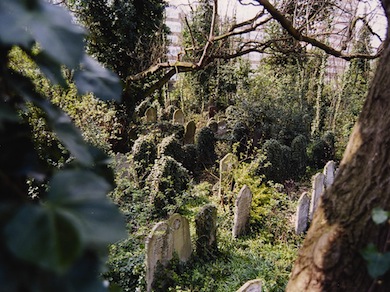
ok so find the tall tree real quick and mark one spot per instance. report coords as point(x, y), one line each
point(334, 253)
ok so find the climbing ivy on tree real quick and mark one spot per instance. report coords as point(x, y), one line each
point(55, 223)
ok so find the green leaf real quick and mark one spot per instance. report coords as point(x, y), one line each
point(50, 68)
point(23, 23)
point(377, 263)
point(40, 236)
point(92, 77)
point(80, 196)
point(379, 216)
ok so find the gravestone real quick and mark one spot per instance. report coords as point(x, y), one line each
point(178, 117)
point(189, 135)
point(222, 127)
point(251, 286)
point(179, 239)
point(151, 115)
point(317, 190)
point(226, 166)
point(302, 216)
point(213, 125)
point(206, 232)
point(165, 240)
point(329, 172)
point(156, 251)
point(242, 211)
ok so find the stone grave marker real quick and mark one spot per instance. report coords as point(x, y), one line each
point(242, 211)
point(302, 216)
point(166, 239)
point(206, 232)
point(179, 238)
point(189, 134)
point(222, 127)
point(226, 166)
point(251, 286)
point(156, 251)
point(317, 190)
point(178, 117)
point(329, 172)
point(151, 115)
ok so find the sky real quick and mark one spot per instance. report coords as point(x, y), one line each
point(243, 12)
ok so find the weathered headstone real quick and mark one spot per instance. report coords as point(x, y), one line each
point(317, 190)
point(179, 238)
point(213, 125)
point(165, 240)
point(226, 166)
point(151, 115)
point(302, 216)
point(242, 211)
point(189, 135)
point(251, 286)
point(206, 232)
point(222, 127)
point(329, 172)
point(156, 251)
point(178, 117)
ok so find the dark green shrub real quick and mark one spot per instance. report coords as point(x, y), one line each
point(240, 136)
point(167, 183)
point(322, 150)
point(299, 157)
point(273, 164)
point(144, 153)
point(205, 147)
point(189, 157)
point(170, 146)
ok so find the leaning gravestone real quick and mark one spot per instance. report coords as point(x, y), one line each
point(189, 135)
point(251, 286)
point(179, 238)
point(317, 190)
point(226, 166)
point(302, 216)
point(329, 172)
point(178, 117)
point(156, 251)
point(242, 211)
point(206, 232)
point(151, 115)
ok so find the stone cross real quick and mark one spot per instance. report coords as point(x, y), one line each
point(242, 211)
point(189, 134)
point(329, 172)
point(151, 115)
point(206, 232)
point(178, 117)
point(251, 286)
point(302, 216)
point(317, 190)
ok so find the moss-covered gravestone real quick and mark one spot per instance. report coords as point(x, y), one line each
point(317, 190)
point(251, 286)
point(226, 167)
point(206, 232)
point(302, 216)
point(329, 172)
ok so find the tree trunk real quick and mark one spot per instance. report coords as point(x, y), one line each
point(330, 259)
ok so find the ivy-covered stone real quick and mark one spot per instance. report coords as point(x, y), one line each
point(144, 154)
point(205, 146)
point(167, 183)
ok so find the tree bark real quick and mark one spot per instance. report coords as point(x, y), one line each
point(330, 258)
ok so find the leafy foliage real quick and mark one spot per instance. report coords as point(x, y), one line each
point(53, 238)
